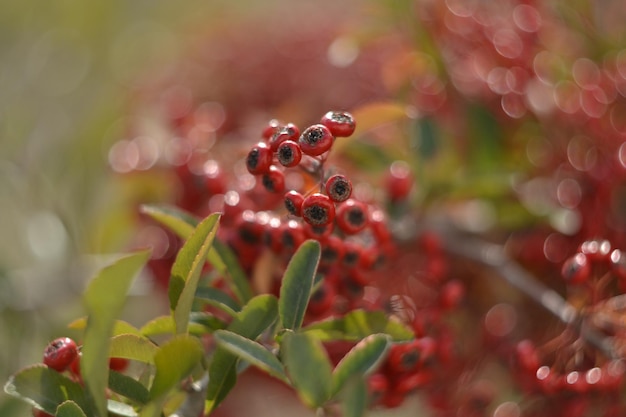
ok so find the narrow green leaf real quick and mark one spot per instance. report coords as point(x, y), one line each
point(45, 388)
point(119, 327)
point(120, 409)
point(295, 290)
point(130, 346)
point(69, 409)
point(360, 360)
point(187, 269)
point(358, 324)
point(175, 360)
point(104, 299)
point(128, 387)
point(354, 398)
point(163, 325)
point(308, 367)
point(255, 317)
point(218, 299)
point(220, 256)
point(251, 352)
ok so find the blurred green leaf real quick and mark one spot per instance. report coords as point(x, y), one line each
point(163, 325)
point(308, 367)
point(175, 360)
point(187, 269)
point(354, 397)
point(252, 352)
point(130, 346)
point(236, 277)
point(120, 409)
point(119, 327)
point(46, 389)
point(128, 387)
point(255, 317)
point(360, 360)
point(219, 299)
point(69, 409)
point(104, 299)
point(295, 290)
point(358, 324)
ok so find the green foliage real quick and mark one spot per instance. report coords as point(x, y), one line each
point(69, 409)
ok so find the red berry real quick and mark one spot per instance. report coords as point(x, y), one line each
point(293, 202)
point(40, 413)
point(118, 364)
point(316, 140)
point(399, 181)
point(291, 235)
point(320, 232)
point(60, 353)
point(340, 124)
point(287, 132)
point(377, 386)
point(274, 180)
point(338, 188)
point(289, 153)
point(352, 253)
point(352, 216)
point(318, 210)
point(596, 250)
point(576, 269)
point(272, 127)
point(404, 357)
point(322, 299)
point(259, 159)
point(332, 250)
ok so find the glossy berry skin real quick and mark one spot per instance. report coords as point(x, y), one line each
point(287, 132)
point(60, 353)
point(289, 154)
point(576, 269)
point(315, 140)
point(259, 159)
point(338, 188)
point(272, 127)
point(340, 124)
point(274, 180)
point(318, 210)
point(293, 203)
point(352, 216)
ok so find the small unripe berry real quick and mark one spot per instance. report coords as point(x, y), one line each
point(338, 188)
point(340, 124)
point(316, 140)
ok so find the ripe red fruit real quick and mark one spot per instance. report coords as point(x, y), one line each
point(399, 181)
point(293, 203)
point(287, 132)
point(118, 364)
point(289, 153)
point(272, 127)
point(274, 180)
point(340, 124)
point(338, 188)
point(316, 140)
point(259, 159)
point(60, 353)
point(352, 216)
point(318, 210)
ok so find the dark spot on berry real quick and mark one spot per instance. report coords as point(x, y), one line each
point(253, 159)
point(356, 217)
point(268, 183)
point(290, 206)
point(317, 215)
point(313, 136)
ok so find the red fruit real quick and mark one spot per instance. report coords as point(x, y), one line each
point(274, 180)
point(576, 269)
point(316, 140)
point(404, 357)
point(340, 124)
point(527, 357)
point(291, 235)
point(338, 188)
point(377, 386)
point(289, 154)
point(60, 353)
point(399, 181)
point(259, 159)
point(287, 132)
point(332, 250)
point(40, 413)
point(596, 250)
point(352, 253)
point(293, 203)
point(352, 216)
point(118, 364)
point(318, 210)
point(272, 127)
point(322, 300)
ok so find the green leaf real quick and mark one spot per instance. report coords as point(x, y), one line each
point(295, 290)
point(165, 325)
point(220, 256)
point(128, 387)
point(251, 352)
point(119, 327)
point(218, 299)
point(45, 388)
point(187, 269)
point(360, 360)
point(69, 409)
point(354, 398)
point(133, 347)
point(104, 299)
point(358, 324)
point(121, 409)
point(175, 360)
point(308, 367)
point(255, 317)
